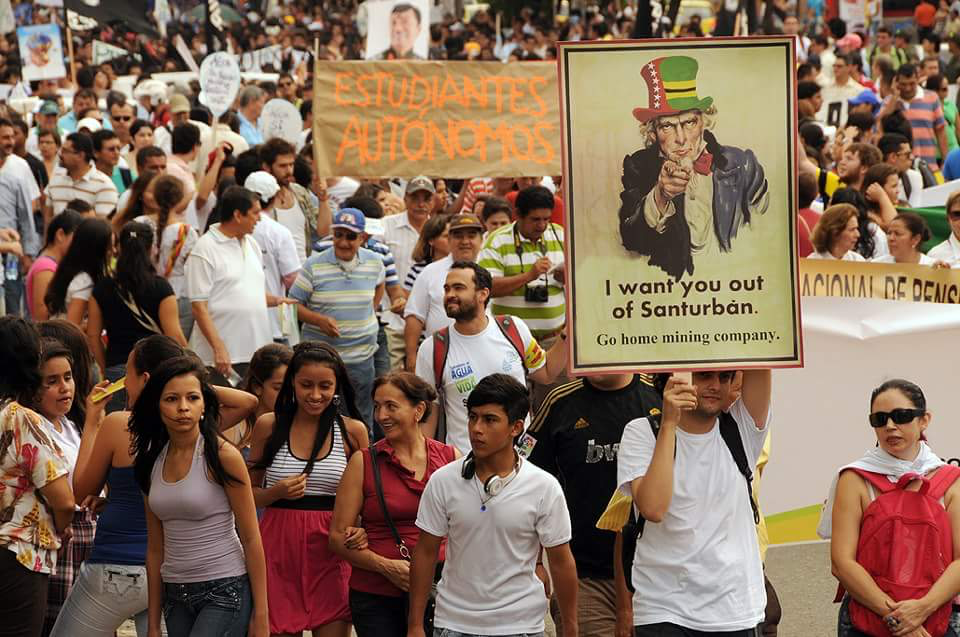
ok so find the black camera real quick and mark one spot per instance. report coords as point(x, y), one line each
point(536, 294)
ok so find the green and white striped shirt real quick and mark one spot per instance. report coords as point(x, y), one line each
point(506, 253)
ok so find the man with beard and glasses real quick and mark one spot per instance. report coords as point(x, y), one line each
point(479, 345)
point(696, 567)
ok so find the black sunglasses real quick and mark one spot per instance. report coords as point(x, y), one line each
point(899, 416)
point(350, 236)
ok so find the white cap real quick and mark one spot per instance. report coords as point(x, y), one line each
point(90, 124)
point(154, 89)
point(262, 183)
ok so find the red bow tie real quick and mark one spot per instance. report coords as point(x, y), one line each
point(704, 163)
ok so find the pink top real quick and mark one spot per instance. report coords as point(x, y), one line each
point(42, 264)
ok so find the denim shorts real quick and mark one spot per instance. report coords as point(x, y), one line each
point(215, 607)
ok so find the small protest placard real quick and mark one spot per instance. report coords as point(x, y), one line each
point(219, 82)
point(280, 118)
point(41, 52)
point(398, 29)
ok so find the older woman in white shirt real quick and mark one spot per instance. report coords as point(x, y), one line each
point(836, 234)
point(905, 234)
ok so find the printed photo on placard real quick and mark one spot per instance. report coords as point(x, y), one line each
point(398, 29)
point(680, 188)
point(41, 52)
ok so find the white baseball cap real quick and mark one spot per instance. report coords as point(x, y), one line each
point(262, 183)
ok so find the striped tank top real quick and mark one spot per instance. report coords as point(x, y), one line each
point(324, 478)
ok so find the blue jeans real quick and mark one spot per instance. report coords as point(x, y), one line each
point(219, 607)
point(446, 632)
point(361, 377)
point(102, 597)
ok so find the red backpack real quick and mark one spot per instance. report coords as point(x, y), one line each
point(906, 543)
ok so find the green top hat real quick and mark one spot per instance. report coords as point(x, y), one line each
point(671, 87)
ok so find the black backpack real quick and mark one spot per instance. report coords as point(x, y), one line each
point(633, 529)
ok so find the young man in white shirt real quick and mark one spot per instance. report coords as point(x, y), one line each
point(227, 288)
point(496, 511)
point(478, 346)
point(696, 567)
point(424, 312)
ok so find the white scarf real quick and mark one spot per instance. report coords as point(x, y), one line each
point(879, 461)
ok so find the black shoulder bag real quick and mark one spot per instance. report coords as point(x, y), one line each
point(401, 545)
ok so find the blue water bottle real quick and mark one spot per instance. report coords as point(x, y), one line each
point(11, 267)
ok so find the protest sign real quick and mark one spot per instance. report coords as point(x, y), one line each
point(445, 119)
point(681, 249)
point(41, 53)
point(890, 281)
point(280, 118)
point(103, 52)
point(398, 29)
point(257, 59)
point(181, 46)
point(219, 82)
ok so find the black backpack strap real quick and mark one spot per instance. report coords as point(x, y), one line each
point(378, 487)
point(730, 433)
point(633, 529)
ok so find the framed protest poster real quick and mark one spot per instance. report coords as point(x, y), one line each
point(398, 29)
point(680, 184)
point(41, 52)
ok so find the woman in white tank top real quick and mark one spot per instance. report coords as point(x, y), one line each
point(297, 457)
point(205, 565)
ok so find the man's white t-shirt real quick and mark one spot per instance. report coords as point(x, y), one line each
point(228, 274)
point(700, 567)
point(279, 254)
point(294, 220)
point(426, 298)
point(489, 584)
point(470, 359)
point(19, 168)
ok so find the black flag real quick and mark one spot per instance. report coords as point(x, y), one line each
point(131, 13)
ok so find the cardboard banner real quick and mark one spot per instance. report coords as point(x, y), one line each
point(680, 199)
point(889, 281)
point(443, 119)
point(103, 52)
point(41, 52)
point(398, 29)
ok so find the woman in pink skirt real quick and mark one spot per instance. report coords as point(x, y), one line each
point(298, 454)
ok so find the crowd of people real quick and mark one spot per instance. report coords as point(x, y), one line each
point(241, 397)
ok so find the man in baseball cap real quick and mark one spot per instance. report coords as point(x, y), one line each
point(337, 288)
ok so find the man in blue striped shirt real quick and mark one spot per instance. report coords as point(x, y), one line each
point(337, 291)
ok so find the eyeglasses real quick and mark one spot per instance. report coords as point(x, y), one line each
point(122, 118)
point(286, 84)
point(954, 214)
point(898, 416)
point(345, 234)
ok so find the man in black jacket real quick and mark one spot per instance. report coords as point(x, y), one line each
point(685, 193)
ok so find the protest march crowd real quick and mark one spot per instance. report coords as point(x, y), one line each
point(241, 397)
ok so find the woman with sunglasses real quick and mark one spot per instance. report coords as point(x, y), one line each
point(902, 459)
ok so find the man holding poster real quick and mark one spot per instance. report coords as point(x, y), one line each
point(696, 567)
point(699, 270)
